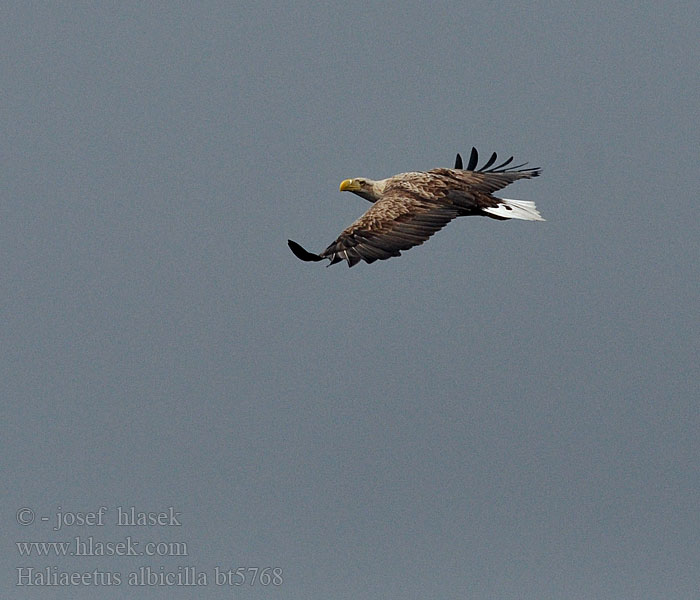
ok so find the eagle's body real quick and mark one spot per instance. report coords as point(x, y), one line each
point(410, 207)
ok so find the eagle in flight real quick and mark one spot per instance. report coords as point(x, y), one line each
point(410, 207)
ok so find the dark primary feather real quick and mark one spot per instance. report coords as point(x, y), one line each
point(490, 162)
point(414, 206)
point(301, 253)
point(473, 159)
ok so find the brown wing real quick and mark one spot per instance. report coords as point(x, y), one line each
point(394, 223)
point(470, 191)
point(470, 188)
point(485, 183)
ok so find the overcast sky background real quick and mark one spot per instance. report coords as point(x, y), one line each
point(508, 411)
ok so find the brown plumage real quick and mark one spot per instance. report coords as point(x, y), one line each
point(410, 207)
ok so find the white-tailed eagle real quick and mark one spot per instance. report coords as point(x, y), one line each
point(410, 207)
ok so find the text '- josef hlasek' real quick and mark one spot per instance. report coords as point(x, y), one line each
point(128, 516)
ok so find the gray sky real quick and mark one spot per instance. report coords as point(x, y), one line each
point(508, 411)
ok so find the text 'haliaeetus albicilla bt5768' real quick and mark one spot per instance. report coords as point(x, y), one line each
point(410, 207)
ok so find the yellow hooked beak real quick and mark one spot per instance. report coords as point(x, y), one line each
point(349, 185)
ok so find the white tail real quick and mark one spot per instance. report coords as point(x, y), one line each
point(515, 209)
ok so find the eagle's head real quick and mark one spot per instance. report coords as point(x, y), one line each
point(365, 188)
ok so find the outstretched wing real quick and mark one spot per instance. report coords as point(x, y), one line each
point(471, 187)
point(394, 223)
